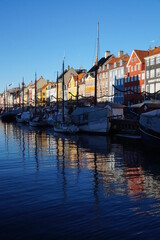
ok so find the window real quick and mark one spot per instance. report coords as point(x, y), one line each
point(115, 64)
point(122, 71)
point(135, 68)
point(128, 69)
point(135, 88)
point(147, 74)
point(128, 79)
point(135, 59)
point(131, 90)
point(132, 79)
point(125, 80)
point(139, 88)
point(131, 69)
point(152, 73)
point(157, 87)
point(122, 81)
point(152, 61)
point(139, 76)
point(151, 88)
point(100, 76)
point(131, 59)
point(157, 72)
point(125, 90)
point(139, 66)
point(107, 66)
point(120, 62)
point(143, 88)
point(135, 78)
point(147, 62)
point(147, 88)
point(110, 74)
point(143, 75)
point(119, 72)
point(104, 75)
point(103, 67)
point(157, 60)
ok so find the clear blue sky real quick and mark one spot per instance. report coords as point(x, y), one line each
point(35, 34)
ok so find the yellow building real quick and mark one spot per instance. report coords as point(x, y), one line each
point(72, 87)
point(89, 86)
point(44, 92)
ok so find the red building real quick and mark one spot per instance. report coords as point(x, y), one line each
point(135, 78)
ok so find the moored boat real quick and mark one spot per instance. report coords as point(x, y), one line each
point(150, 128)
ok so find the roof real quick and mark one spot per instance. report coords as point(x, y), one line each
point(155, 51)
point(100, 63)
point(124, 57)
point(141, 54)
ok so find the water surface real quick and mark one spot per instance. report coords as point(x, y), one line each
point(76, 187)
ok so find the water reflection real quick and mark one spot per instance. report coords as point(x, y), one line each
point(120, 168)
point(82, 179)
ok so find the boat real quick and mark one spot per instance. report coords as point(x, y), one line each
point(61, 125)
point(150, 128)
point(10, 115)
point(93, 119)
point(23, 117)
point(38, 121)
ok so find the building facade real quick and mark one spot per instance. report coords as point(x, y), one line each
point(134, 84)
point(152, 72)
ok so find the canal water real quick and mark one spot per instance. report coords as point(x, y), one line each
point(76, 187)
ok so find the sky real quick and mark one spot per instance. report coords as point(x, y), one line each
point(36, 34)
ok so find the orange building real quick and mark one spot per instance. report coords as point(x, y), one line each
point(134, 83)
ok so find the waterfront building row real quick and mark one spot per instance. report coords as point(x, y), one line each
point(123, 79)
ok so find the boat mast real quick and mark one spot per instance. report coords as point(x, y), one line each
point(96, 67)
point(23, 94)
point(4, 100)
point(35, 92)
point(77, 91)
point(57, 92)
point(63, 93)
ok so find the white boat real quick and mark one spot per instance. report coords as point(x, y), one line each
point(23, 117)
point(61, 127)
point(92, 119)
point(150, 127)
point(38, 121)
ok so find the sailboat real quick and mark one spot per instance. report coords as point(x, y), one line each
point(93, 119)
point(38, 120)
point(63, 126)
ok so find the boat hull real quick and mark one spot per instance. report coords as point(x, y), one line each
point(100, 127)
point(150, 137)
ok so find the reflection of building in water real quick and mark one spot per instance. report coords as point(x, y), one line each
point(117, 167)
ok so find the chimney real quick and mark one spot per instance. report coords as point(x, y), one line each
point(120, 53)
point(107, 54)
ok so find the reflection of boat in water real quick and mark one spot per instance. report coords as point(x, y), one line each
point(150, 128)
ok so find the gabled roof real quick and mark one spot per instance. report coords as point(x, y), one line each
point(100, 63)
point(141, 54)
